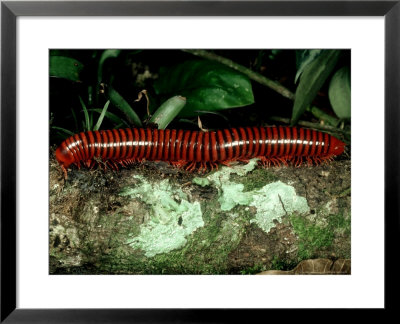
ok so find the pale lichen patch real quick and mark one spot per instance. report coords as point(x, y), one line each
point(274, 201)
point(271, 202)
point(172, 217)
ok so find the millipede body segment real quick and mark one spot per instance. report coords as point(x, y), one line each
point(197, 149)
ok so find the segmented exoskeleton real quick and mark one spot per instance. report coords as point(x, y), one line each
point(198, 149)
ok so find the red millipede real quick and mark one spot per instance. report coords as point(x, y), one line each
point(192, 149)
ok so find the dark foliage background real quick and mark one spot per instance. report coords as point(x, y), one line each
point(83, 81)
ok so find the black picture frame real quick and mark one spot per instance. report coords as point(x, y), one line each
point(10, 10)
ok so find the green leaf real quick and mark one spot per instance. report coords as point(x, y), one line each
point(274, 54)
point(304, 58)
point(104, 56)
point(312, 79)
point(101, 117)
point(120, 125)
point(66, 131)
point(75, 120)
point(207, 86)
point(118, 101)
point(112, 117)
point(66, 68)
point(340, 93)
point(168, 111)
point(85, 112)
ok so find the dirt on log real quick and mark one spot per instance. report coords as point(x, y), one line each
point(157, 219)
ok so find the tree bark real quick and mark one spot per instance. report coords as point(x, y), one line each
point(156, 219)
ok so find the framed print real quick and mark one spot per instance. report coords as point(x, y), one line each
point(214, 86)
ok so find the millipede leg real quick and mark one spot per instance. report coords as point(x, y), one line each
point(227, 163)
point(298, 161)
point(179, 164)
point(203, 167)
point(283, 160)
point(65, 172)
point(213, 165)
point(263, 161)
point(189, 166)
point(122, 163)
point(114, 165)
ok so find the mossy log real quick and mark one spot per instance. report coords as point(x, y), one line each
point(156, 219)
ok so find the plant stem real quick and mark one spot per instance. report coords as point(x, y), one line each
point(250, 73)
point(311, 125)
point(318, 113)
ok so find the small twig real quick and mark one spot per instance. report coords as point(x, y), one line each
point(283, 206)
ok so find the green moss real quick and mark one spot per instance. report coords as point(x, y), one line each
point(280, 263)
point(340, 223)
point(182, 234)
point(314, 237)
point(257, 268)
point(216, 239)
point(311, 236)
point(254, 180)
point(163, 253)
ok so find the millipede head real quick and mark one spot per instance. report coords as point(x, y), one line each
point(336, 147)
point(64, 157)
